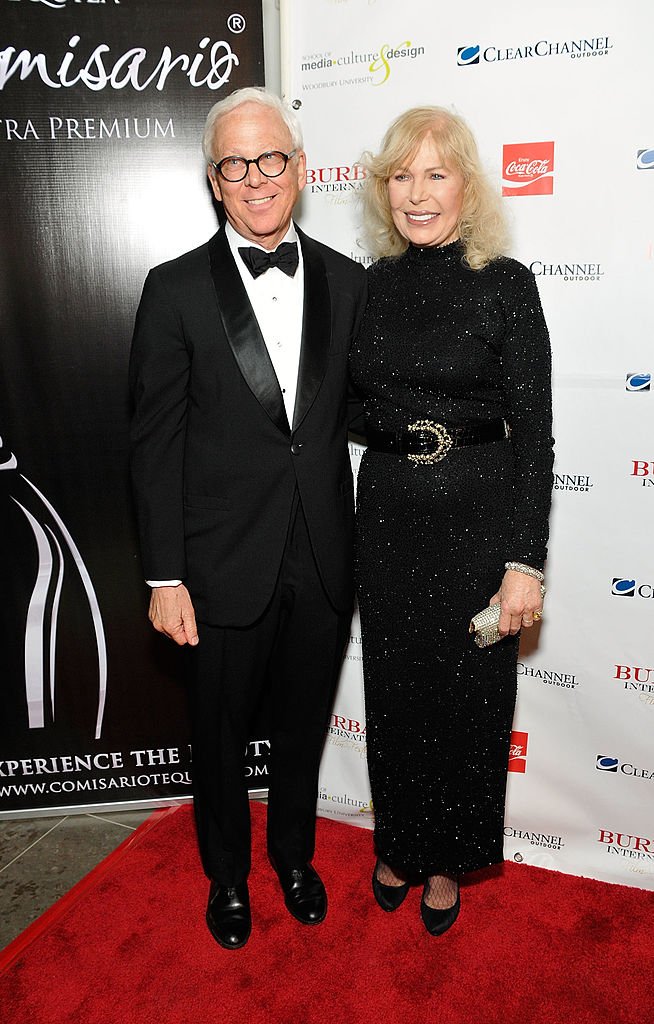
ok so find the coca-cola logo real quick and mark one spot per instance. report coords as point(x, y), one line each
point(518, 752)
point(528, 169)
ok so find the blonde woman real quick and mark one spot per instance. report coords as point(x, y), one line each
point(453, 366)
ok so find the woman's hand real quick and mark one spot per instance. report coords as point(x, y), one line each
point(520, 602)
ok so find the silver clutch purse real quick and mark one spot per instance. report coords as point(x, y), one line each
point(484, 626)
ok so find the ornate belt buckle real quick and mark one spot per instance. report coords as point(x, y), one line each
point(441, 435)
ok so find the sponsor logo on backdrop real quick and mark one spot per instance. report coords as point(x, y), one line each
point(104, 772)
point(643, 472)
point(528, 169)
point(353, 652)
point(57, 4)
point(209, 67)
point(343, 804)
point(518, 752)
point(347, 733)
point(342, 727)
point(56, 558)
point(580, 483)
point(467, 55)
point(623, 586)
point(256, 749)
point(364, 258)
point(638, 382)
point(645, 160)
point(637, 679)
point(373, 67)
point(624, 845)
point(72, 128)
point(568, 271)
point(606, 763)
point(543, 840)
point(576, 49)
point(563, 680)
point(341, 179)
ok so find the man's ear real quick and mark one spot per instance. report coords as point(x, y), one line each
point(301, 169)
point(214, 179)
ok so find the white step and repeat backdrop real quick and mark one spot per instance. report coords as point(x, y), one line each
point(561, 105)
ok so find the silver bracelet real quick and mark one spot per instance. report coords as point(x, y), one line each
point(526, 569)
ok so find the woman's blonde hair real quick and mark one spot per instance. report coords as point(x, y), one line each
point(481, 225)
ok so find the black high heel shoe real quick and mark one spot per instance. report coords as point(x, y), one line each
point(438, 921)
point(389, 897)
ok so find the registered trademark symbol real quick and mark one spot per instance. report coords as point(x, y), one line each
point(236, 23)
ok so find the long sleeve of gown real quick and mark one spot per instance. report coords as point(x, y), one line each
point(526, 370)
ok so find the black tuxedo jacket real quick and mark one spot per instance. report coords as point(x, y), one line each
point(215, 463)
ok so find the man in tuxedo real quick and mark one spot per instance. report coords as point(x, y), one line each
point(244, 494)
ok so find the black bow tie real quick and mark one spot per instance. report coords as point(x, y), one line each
point(258, 261)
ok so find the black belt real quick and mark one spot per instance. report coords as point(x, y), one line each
point(428, 441)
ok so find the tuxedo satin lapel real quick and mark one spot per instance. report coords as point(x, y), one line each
point(243, 333)
point(316, 329)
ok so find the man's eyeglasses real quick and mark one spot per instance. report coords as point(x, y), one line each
point(271, 164)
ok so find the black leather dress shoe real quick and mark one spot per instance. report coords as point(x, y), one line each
point(304, 894)
point(228, 915)
point(438, 921)
point(389, 897)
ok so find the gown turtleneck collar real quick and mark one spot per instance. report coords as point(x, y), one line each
point(442, 253)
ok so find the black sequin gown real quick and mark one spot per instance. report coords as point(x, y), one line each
point(442, 342)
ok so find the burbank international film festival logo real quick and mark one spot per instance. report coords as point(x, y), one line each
point(643, 472)
point(518, 752)
point(645, 160)
point(343, 178)
point(637, 679)
point(625, 845)
point(528, 169)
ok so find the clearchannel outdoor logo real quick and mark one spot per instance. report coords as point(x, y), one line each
point(567, 271)
point(623, 586)
point(638, 382)
point(645, 160)
point(473, 53)
point(544, 840)
point(579, 483)
point(606, 763)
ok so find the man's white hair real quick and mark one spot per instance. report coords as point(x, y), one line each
point(251, 94)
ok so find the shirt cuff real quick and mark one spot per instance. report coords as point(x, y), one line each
point(163, 583)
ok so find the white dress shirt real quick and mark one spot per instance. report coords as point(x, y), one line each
point(278, 304)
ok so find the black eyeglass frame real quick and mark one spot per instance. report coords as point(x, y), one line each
point(277, 152)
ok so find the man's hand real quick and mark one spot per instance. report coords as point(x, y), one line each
point(171, 612)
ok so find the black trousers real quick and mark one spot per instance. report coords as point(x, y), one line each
point(296, 646)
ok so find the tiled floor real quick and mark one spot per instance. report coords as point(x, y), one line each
point(42, 858)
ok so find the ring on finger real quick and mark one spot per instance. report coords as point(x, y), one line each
point(537, 616)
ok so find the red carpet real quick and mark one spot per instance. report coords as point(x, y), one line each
point(129, 946)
